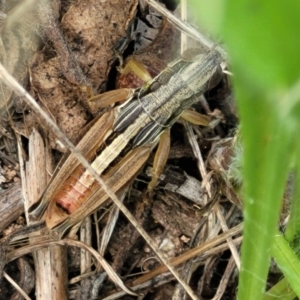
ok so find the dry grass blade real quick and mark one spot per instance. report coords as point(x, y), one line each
point(192, 253)
point(85, 256)
point(14, 254)
point(14, 284)
point(111, 273)
point(156, 282)
point(203, 172)
point(225, 278)
point(152, 278)
point(186, 28)
point(68, 242)
point(108, 230)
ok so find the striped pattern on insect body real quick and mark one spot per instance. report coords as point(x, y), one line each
point(134, 126)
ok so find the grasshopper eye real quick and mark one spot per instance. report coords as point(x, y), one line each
point(154, 86)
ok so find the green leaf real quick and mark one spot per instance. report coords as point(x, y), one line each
point(262, 39)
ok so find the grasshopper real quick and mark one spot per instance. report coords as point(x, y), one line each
point(120, 141)
point(133, 128)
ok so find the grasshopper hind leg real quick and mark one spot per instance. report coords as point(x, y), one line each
point(160, 160)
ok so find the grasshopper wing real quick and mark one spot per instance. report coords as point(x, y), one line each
point(117, 178)
point(87, 146)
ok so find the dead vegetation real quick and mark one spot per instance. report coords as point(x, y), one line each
point(194, 214)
